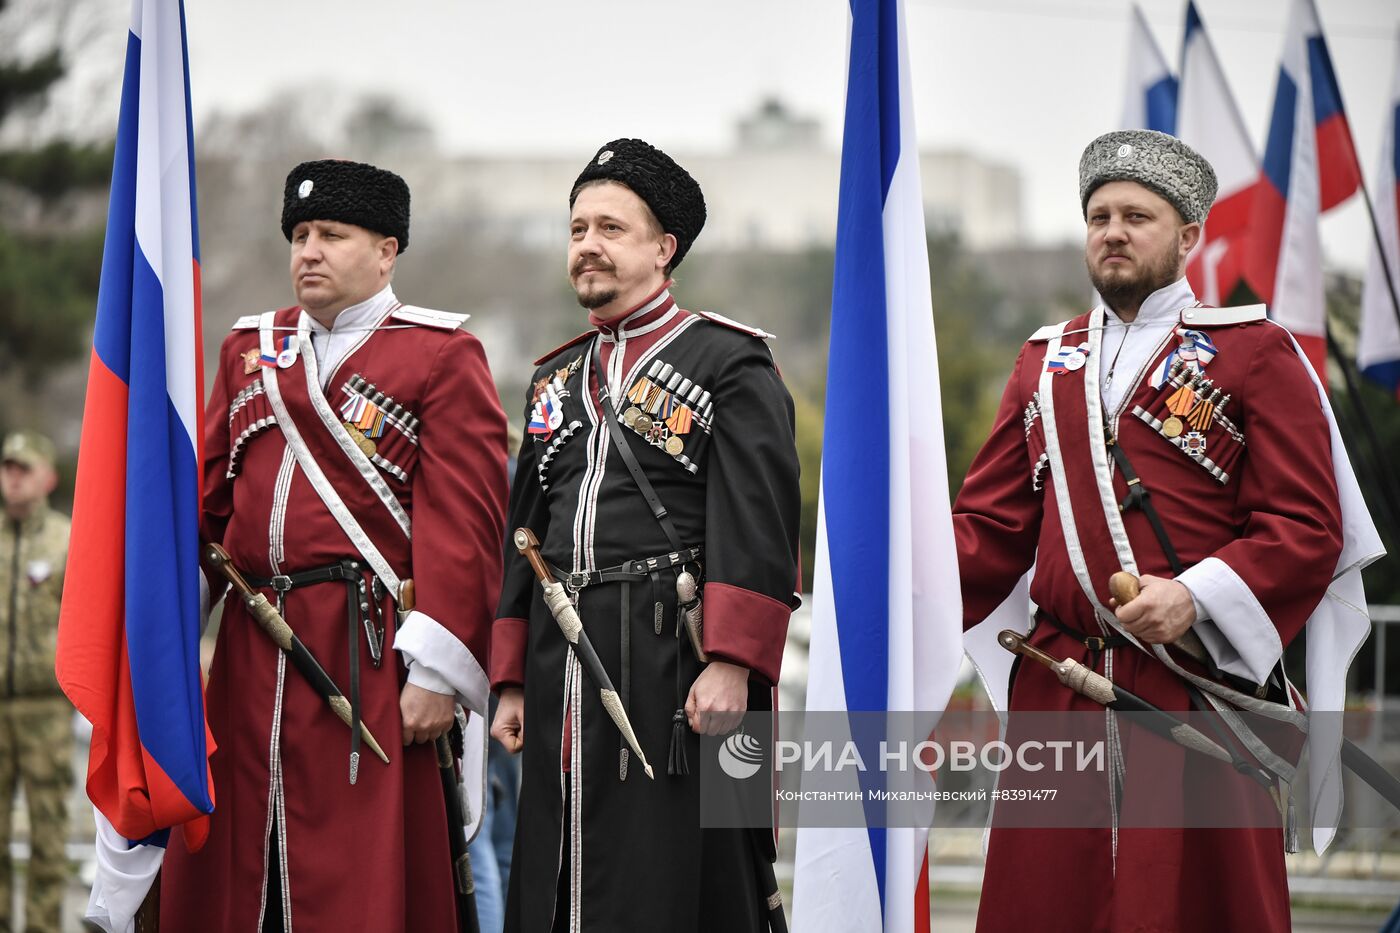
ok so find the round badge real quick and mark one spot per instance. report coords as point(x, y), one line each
point(286, 358)
point(556, 419)
point(305, 188)
point(674, 445)
point(1124, 151)
point(606, 155)
point(630, 416)
point(642, 424)
point(1172, 427)
point(1075, 362)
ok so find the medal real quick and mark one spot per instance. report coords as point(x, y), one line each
point(1172, 427)
point(642, 424)
point(1194, 444)
point(367, 446)
point(250, 361)
point(630, 416)
point(674, 445)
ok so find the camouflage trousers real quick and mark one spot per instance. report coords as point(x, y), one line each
point(36, 751)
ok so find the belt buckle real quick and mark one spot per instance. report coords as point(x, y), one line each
point(576, 581)
point(281, 583)
point(1095, 643)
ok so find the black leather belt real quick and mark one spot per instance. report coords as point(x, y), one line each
point(627, 573)
point(363, 607)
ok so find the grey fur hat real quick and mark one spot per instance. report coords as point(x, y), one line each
point(1154, 160)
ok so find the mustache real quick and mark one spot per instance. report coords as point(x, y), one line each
point(591, 265)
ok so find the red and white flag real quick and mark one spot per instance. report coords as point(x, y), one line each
point(1309, 167)
point(1209, 121)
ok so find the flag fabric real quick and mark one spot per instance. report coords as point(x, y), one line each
point(886, 615)
point(1150, 102)
point(1309, 167)
point(1209, 121)
point(128, 642)
point(1378, 347)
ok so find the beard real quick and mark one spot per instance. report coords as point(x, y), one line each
point(1124, 291)
point(597, 296)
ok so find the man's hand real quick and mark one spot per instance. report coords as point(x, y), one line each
point(718, 699)
point(426, 715)
point(509, 727)
point(1162, 612)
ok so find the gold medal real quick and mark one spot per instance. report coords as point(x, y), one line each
point(1172, 427)
point(250, 361)
point(642, 423)
point(630, 416)
point(367, 446)
point(674, 445)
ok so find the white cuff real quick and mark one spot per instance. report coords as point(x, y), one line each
point(423, 676)
point(438, 661)
point(124, 875)
point(1234, 627)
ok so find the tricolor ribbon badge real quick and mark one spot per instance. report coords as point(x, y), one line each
point(1194, 348)
point(1068, 359)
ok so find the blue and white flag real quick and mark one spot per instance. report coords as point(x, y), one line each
point(886, 609)
point(1150, 100)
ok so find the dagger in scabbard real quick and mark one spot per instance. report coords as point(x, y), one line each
point(562, 608)
point(276, 627)
point(1088, 683)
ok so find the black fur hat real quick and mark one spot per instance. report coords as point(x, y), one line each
point(670, 192)
point(351, 192)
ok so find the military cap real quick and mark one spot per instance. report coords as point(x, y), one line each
point(1154, 160)
point(29, 448)
point(351, 192)
point(673, 196)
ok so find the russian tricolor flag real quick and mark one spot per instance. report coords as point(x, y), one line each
point(1309, 167)
point(128, 649)
point(1209, 120)
point(1378, 347)
point(1150, 103)
point(886, 614)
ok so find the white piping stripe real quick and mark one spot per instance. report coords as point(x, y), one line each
point(1057, 474)
point(342, 437)
point(317, 478)
point(1098, 447)
point(277, 523)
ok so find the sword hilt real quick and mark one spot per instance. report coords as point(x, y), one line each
point(1125, 588)
point(529, 546)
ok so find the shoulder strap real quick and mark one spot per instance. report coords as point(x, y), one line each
point(624, 448)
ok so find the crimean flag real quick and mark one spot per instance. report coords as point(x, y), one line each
point(886, 615)
point(1378, 349)
point(128, 638)
point(1208, 120)
point(1309, 167)
point(1151, 99)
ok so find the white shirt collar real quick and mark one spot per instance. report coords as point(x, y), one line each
point(1163, 305)
point(362, 316)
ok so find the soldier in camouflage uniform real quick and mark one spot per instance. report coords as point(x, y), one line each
point(36, 740)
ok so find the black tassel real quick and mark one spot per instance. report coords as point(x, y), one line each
point(677, 763)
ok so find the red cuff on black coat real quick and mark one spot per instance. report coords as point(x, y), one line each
point(509, 638)
point(746, 628)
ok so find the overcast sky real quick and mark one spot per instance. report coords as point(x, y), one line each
point(1027, 82)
